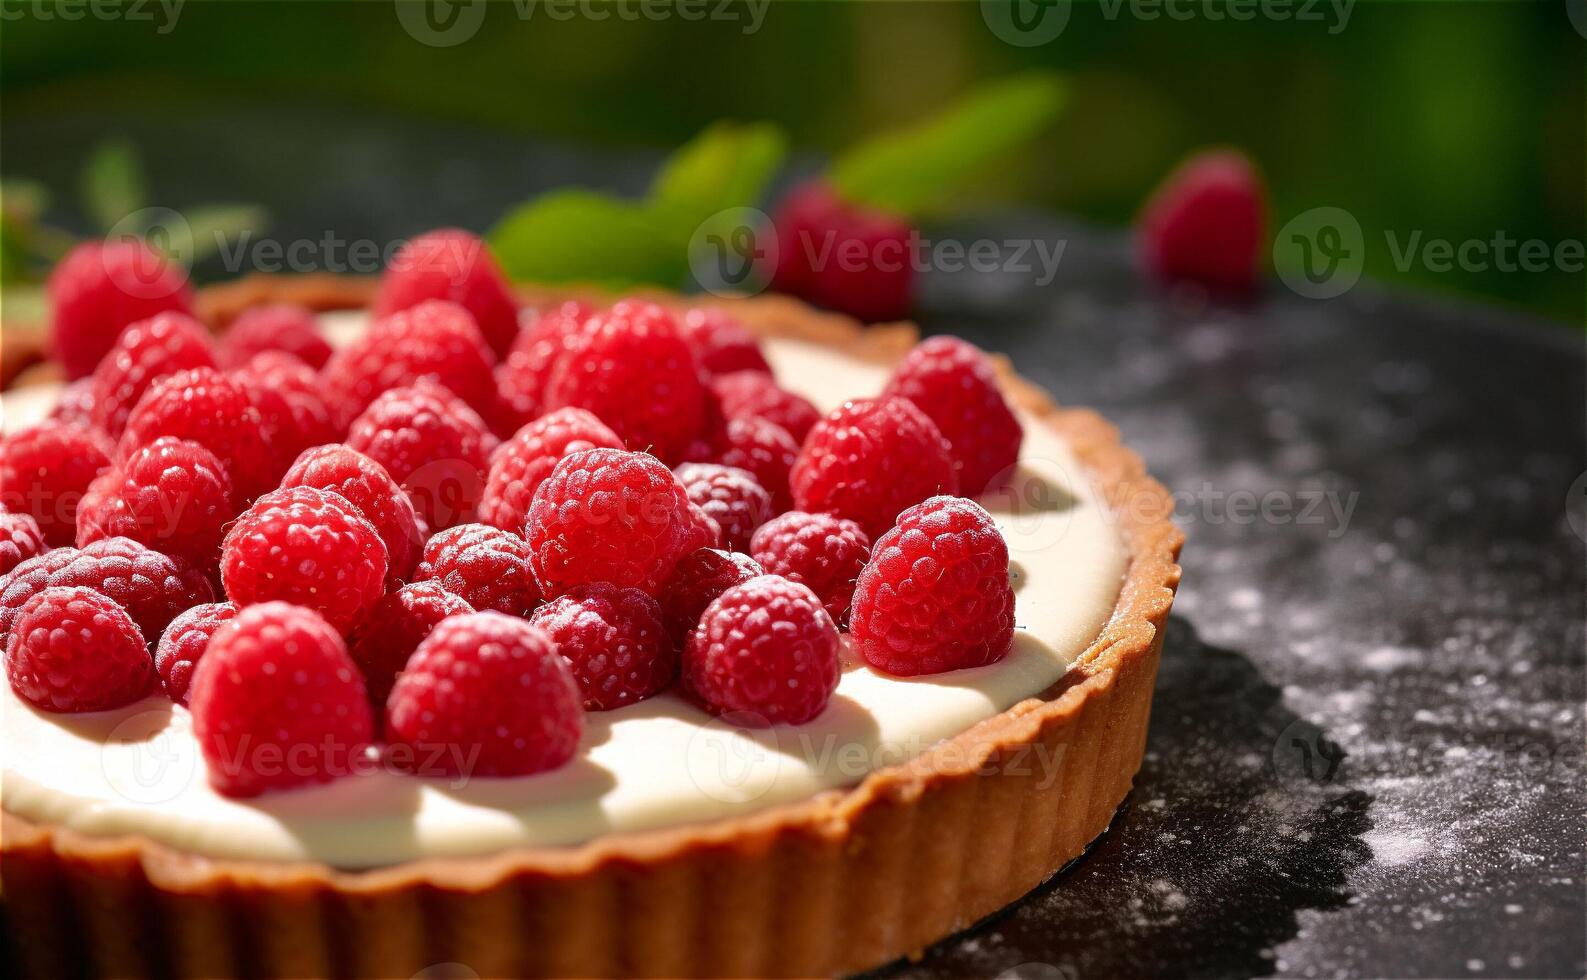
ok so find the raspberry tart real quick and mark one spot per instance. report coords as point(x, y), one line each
point(745, 663)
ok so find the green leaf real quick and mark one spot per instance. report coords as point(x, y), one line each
point(726, 166)
point(212, 224)
point(582, 236)
point(910, 170)
point(112, 183)
point(23, 200)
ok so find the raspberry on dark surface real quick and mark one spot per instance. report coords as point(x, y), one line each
point(607, 515)
point(277, 703)
point(614, 642)
point(720, 343)
point(698, 579)
point(753, 393)
point(100, 287)
point(524, 461)
point(172, 495)
point(759, 446)
point(20, 539)
point(74, 649)
point(731, 497)
point(306, 546)
point(954, 384)
point(455, 265)
point(823, 552)
point(283, 328)
point(382, 645)
point(45, 470)
point(484, 695)
point(935, 595)
point(144, 352)
point(217, 412)
point(183, 643)
point(485, 565)
point(632, 369)
point(435, 339)
point(432, 444)
point(152, 588)
point(764, 651)
point(869, 460)
point(1206, 223)
point(368, 487)
point(814, 225)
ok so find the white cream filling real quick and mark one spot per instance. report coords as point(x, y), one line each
point(658, 763)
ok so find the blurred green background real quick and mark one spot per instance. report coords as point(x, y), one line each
point(1455, 119)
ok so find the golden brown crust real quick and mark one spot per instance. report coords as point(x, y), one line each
point(843, 881)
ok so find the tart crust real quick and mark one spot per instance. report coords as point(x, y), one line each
point(843, 881)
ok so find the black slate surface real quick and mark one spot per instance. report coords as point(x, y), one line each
point(1366, 751)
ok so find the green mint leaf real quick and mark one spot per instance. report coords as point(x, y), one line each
point(212, 224)
point(583, 236)
point(912, 169)
point(726, 166)
point(112, 183)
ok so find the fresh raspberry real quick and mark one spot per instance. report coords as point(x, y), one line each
point(44, 472)
point(870, 459)
point(614, 642)
point(954, 384)
point(215, 411)
point(698, 579)
point(291, 405)
point(525, 460)
point(485, 565)
point(99, 288)
point(606, 515)
point(145, 352)
point(20, 539)
point(700, 531)
point(935, 595)
point(184, 642)
point(632, 368)
point(1206, 223)
point(731, 497)
point(752, 393)
point(435, 339)
point(820, 551)
point(484, 695)
point(720, 343)
point(151, 587)
point(74, 649)
point(307, 546)
point(370, 489)
point(540, 347)
point(172, 495)
point(277, 703)
point(431, 443)
point(843, 256)
point(762, 447)
point(276, 328)
point(401, 621)
point(451, 264)
point(75, 406)
point(764, 651)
